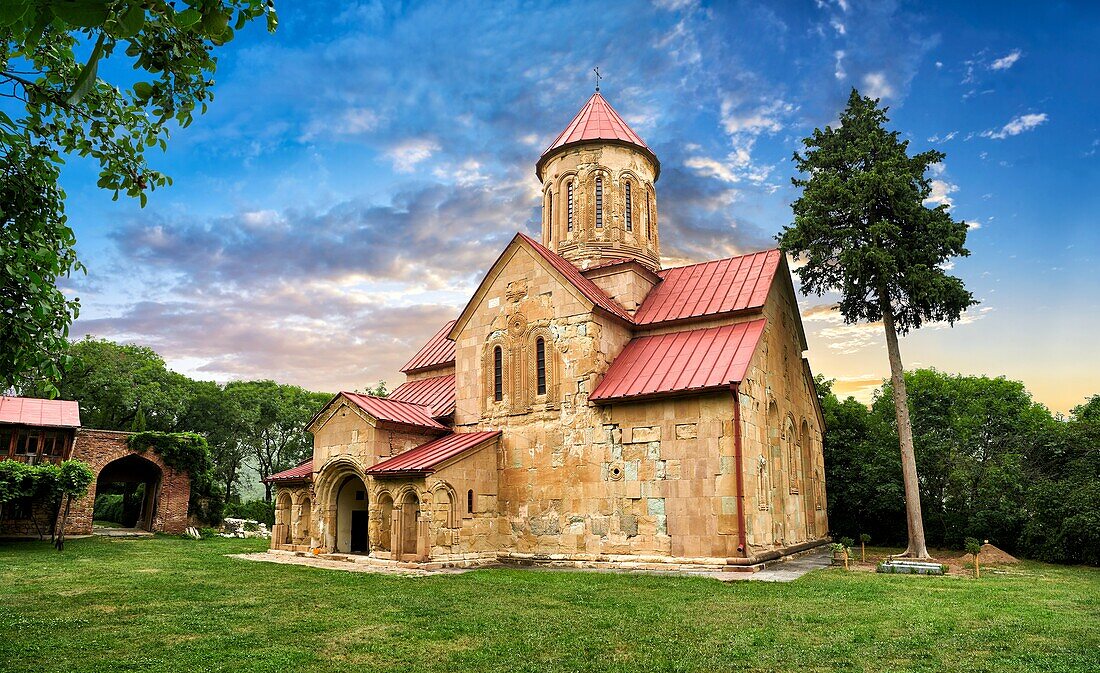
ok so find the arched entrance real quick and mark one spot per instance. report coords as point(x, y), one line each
point(385, 524)
point(304, 521)
point(351, 516)
point(410, 518)
point(283, 519)
point(126, 493)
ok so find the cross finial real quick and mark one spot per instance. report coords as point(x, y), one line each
point(598, 77)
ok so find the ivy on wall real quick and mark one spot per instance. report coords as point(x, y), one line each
point(185, 452)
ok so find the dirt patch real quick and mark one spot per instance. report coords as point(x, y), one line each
point(989, 556)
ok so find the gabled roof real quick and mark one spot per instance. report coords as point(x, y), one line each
point(43, 413)
point(590, 290)
point(700, 290)
point(437, 352)
point(303, 472)
point(681, 362)
point(437, 393)
point(597, 120)
point(572, 276)
point(425, 458)
point(384, 409)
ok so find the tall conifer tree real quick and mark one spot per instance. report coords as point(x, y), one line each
point(864, 231)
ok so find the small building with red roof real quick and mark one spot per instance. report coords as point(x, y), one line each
point(587, 406)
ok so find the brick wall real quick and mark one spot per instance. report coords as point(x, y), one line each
point(98, 448)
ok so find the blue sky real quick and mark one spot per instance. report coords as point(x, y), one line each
point(359, 169)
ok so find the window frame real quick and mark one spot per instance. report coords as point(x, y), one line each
point(498, 374)
point(569, 215)
point(540, 367)
point(628, 215)
point(599, 202)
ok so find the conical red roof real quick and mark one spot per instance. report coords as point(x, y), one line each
point(597, 120)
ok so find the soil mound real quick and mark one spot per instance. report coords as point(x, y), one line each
point(989, 556)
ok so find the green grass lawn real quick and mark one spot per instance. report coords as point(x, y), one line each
point(168, 604)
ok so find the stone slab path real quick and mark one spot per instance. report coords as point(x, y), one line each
point(784, 571)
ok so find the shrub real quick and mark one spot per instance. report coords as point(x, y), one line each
point(260, 510)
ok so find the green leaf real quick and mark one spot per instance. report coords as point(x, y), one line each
point(11, 11)
point(81, 13)
point(132, 21)
point(86, 80)
point(188, 17)
point(143, 90)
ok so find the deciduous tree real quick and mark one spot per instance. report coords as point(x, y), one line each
point(49, 67)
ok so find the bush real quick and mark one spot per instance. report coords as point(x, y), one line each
point(260, 510)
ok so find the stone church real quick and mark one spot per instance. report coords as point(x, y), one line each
point(587, 406)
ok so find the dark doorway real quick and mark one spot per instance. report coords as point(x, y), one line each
point(359, 531)
point(126, 493)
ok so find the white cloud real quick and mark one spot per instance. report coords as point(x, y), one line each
point(353, 121)
point(876, 85)
point(971, 224)
point(838, 71)
point(946, 137)
point(941, 191)
point(407, 154)
point(838, 27)
point(712, 168)
point(1007, 61)
point(755, 120)
point(1017, 125)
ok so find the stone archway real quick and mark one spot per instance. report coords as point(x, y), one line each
point(340, 485)
point(136, 481)
point(408, 536)
point(384, 542)
point(283, 519)
point(305, 520)
point(351, 516)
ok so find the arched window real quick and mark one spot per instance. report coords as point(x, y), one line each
point(540, 366)
point(629, 209)
point(569, 217)
point(648, 219)
point(550, 209)
point(498, 374)
point(470, 501)
point(599, 203)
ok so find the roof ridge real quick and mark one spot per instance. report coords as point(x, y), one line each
point(720, 259)
point(589, 289)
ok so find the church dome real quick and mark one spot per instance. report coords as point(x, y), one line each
point(597, 122)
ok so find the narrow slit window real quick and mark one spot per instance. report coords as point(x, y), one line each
point(498, 374)
point(569, 218)
point(470, 501)
point(648, 219)
point(540, 366)
point(629, 209)
point(599, 203)
point(550, 209)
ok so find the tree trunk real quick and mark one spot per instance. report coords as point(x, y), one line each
point(916, 548)
point(60, 543)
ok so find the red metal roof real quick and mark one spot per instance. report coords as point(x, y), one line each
point(436, 393)
point(680, 362)
point(303, 472)
point(437, 352)
point(426, 457)
point(721, 286)
point(597, 120)
point(33, 411)
point(385, 409)
point(589, 289)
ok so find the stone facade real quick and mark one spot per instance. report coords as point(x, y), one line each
point(715, 477)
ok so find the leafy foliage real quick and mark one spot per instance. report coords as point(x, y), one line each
point(183, 451)
point(994, 465)
point(863, 227)
point(258, 510)
point(69, 110)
